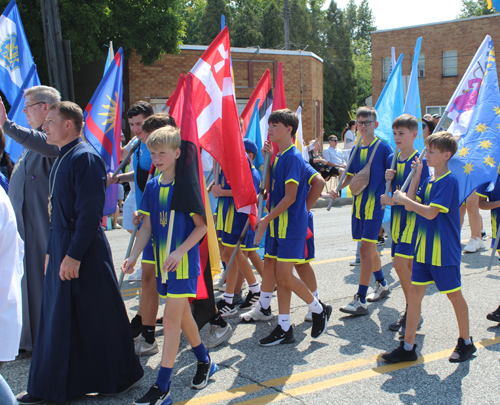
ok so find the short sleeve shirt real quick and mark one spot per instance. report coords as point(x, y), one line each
point(334, 155)
point(144, 163)
point(228, 219)
point(403, 223)
point(438, 240)
point(289, 166)
point(366, 206)
point(493, 195)
point(156, 203)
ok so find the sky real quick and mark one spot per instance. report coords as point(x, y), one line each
point(402, 13)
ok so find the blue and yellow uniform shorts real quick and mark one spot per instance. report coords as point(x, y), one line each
point(285, 250)
point(365, 229)
point(148, 254)
point(230, 239)
point(446, 278)
point(406, 250)
point(310, 242)
point(177, 288)
point(247, 244)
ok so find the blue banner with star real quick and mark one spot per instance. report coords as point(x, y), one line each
point(478, 156)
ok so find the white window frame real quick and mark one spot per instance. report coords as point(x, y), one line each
point(421, 64)
point(386, 68)
point(447, 67)
point(440, 111)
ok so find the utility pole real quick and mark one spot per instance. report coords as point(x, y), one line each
point(286, 14)
point(58, 61)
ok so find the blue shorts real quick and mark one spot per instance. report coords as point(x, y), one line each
point(184, 287)
point(406, 250)
point(446, 278)
point(148, 254)
point(247, 244)
point(228, 239)
point(285, 250)
point(310, 242)
point(365, 229)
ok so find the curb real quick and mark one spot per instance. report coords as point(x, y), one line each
point(324, 200)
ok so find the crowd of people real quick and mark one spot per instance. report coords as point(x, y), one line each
point(66, 284)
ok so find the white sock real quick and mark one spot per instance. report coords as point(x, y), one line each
point(228, 298)
point(467, 341)
point(284, 322)
point(316, 294)
point(254, 288)
point(408, 347)
point(265, 299)
point(315, 307)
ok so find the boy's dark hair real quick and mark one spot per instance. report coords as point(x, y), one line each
point(141, 107)
point(406, 121)
point(442, 141)
point(286, 117)
point(157, 121)
point(248, 153)
point(71, 112)
point(367, 112)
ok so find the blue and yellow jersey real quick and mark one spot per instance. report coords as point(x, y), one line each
point(289, 166)
point(366, 205)
point(438, 240)
point(403, 223)
point(493, 195)
point(156, 203)
point(310, 175)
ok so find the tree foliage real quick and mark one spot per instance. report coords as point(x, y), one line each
point(210, 20)
point(246, 27)
point(471, 8)
point(272, 26)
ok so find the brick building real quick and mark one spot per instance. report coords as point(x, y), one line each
point(447, 50)
point(302, 71)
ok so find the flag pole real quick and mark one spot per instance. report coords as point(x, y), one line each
point(351, 158)
point(260, 206)
point(412, 173)
point(389, 182)
point(493, 252)
point(124, 161)
point(169, 244)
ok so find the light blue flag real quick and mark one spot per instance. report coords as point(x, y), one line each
point(476, 161)
point(390, 104)
point(17, 115)
point(111, 56)
point(253, 133)
point(412, 104)
point(15, 54)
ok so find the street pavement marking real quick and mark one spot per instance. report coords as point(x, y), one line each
point(333, 382)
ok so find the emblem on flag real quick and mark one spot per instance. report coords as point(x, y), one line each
point(9, 52)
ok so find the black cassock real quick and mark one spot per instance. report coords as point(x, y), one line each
point(84, 343)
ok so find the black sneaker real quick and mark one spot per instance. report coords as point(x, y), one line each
point(136, 324)
point(494, 316)
point(381, 241)
point(400, 354)
point(159, 321)
point(237, 299)
point(483, 235)
point(155, 396)
point(203, 373)
point(395, 326)
point(462, 351)
point(251, 300)
point(320, 321)
point(226, 309)
point(278, 337)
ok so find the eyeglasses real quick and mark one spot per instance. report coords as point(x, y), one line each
point(424, 126)
point(25, 108)
point(364, 123)
point(333, 140)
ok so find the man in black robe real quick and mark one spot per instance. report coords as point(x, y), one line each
point(81, 294)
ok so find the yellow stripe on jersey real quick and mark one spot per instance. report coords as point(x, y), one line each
point(228, 227)
point(357, 202)
point(271, 225)
point(421, 241)
point(310, 178)
point(282, 224)
point(411, 219)
point(493, 223)
point(396, 223)
point(370, 205)
point(436, 249)
point(362, 156)
point(427, 192)
point(441, 208)
point(220, 215)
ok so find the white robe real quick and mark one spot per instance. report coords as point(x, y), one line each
point(11, 273)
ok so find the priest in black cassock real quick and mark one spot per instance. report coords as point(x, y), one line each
point(84, 343)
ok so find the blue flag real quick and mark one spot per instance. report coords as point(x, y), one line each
point(103, 117)
point(476, 161)
point(390, 104)
point(253, 133)
point(111, 55)
point(412, 104)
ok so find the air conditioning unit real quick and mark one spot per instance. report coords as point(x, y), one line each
point(421, 73)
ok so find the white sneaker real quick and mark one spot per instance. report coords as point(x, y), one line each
point(480, 243)
point(223, 287)
point(257, 314)
point(143, 348)
point(379, 292)
point(471, 246)
point(309, 317)
point(355, 307)
point(217, 335)
point(136, 276)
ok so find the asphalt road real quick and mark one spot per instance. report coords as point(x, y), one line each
point(342, 366)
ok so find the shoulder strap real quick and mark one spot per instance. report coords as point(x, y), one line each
point(374, 151)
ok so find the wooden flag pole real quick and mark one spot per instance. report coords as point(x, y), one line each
point(169, 243)
point(124, 161)
point(393, 165)
point(349, 162)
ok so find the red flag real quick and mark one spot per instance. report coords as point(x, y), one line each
point(264, 93)
point(218, 122)
point(279, 101)
point(176, 100)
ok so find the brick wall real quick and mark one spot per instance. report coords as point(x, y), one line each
point(464, 36)
point(159, 80)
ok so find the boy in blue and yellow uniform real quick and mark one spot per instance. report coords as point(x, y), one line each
point(367, 212)
point(405, 129)
point(181, 266)
point(287, 182)
point(437, 253)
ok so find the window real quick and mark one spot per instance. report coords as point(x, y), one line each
point(158, 104)
point(421, 66)
point(439, 110)
point(386, 68)
point(450, 63)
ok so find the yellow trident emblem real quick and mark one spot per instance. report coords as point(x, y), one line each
point(163, 219)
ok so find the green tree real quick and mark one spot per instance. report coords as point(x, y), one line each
point(339, 86)
point(471, 8)
point(365, 23)
point(362, 70)
point(317, 22)
point(299, 24)
point(210, 20)
point(272, 25)
point(192, 13)
point(350, 14)
point(246, 30)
